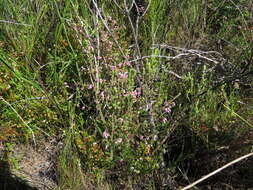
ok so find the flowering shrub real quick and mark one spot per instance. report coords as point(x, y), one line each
point(135, 88)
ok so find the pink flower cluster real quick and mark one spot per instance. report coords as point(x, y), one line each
point(123, 75)
point(106, 135)
point(120, 65)
point(90, 86)
point(136, 93)
point(168, 106)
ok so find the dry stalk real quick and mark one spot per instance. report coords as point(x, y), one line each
point(217, 171)
point(99, 13)
point(14, 22)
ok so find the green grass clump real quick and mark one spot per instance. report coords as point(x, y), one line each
point(134, 89)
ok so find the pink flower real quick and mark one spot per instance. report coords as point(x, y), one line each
point(90, 47)
point(102, 94)
point(83, 108)
point(106, 134)
point(120, 65)
point(90, 86)
point(127, 63)
point(99, 80)
point(164, 120)
point(136, 93)
point(170, 104)
point(167, 109)
point(123, 75)
point(113, 68)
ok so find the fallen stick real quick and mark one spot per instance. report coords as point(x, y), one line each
point(217, 171)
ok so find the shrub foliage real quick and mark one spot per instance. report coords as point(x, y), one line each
point(136, 89)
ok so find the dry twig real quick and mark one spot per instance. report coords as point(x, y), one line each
point(217, 171)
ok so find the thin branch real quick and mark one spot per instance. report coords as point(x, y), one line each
point(108, 29)
point(131, 6)
point(160, 56)
point(97, 55)
point(10, 105)
point(240, 117)
point(13, 109)
point(170, 131)
point(115, 2)
point(217, 171)
point(14, 22)
point(29, 99)
point(175, 74)
point(207, 55)
point(134, 30)
point(185, 50)
point(135, 35)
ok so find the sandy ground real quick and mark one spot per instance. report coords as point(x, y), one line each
point(37, 165)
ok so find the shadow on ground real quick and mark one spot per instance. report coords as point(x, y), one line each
point(9, 181)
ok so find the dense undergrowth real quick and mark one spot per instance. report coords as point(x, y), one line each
point(136, 90)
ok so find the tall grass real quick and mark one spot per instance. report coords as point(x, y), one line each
point(134, 90)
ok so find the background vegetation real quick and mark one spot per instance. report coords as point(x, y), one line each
point(142, 93)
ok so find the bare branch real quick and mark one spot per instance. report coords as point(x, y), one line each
point(207, 55)
point(160, 56)
point(115, 2)
point(131, 6)
point(175, 74)
point(108, 29)
point(217, 171)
